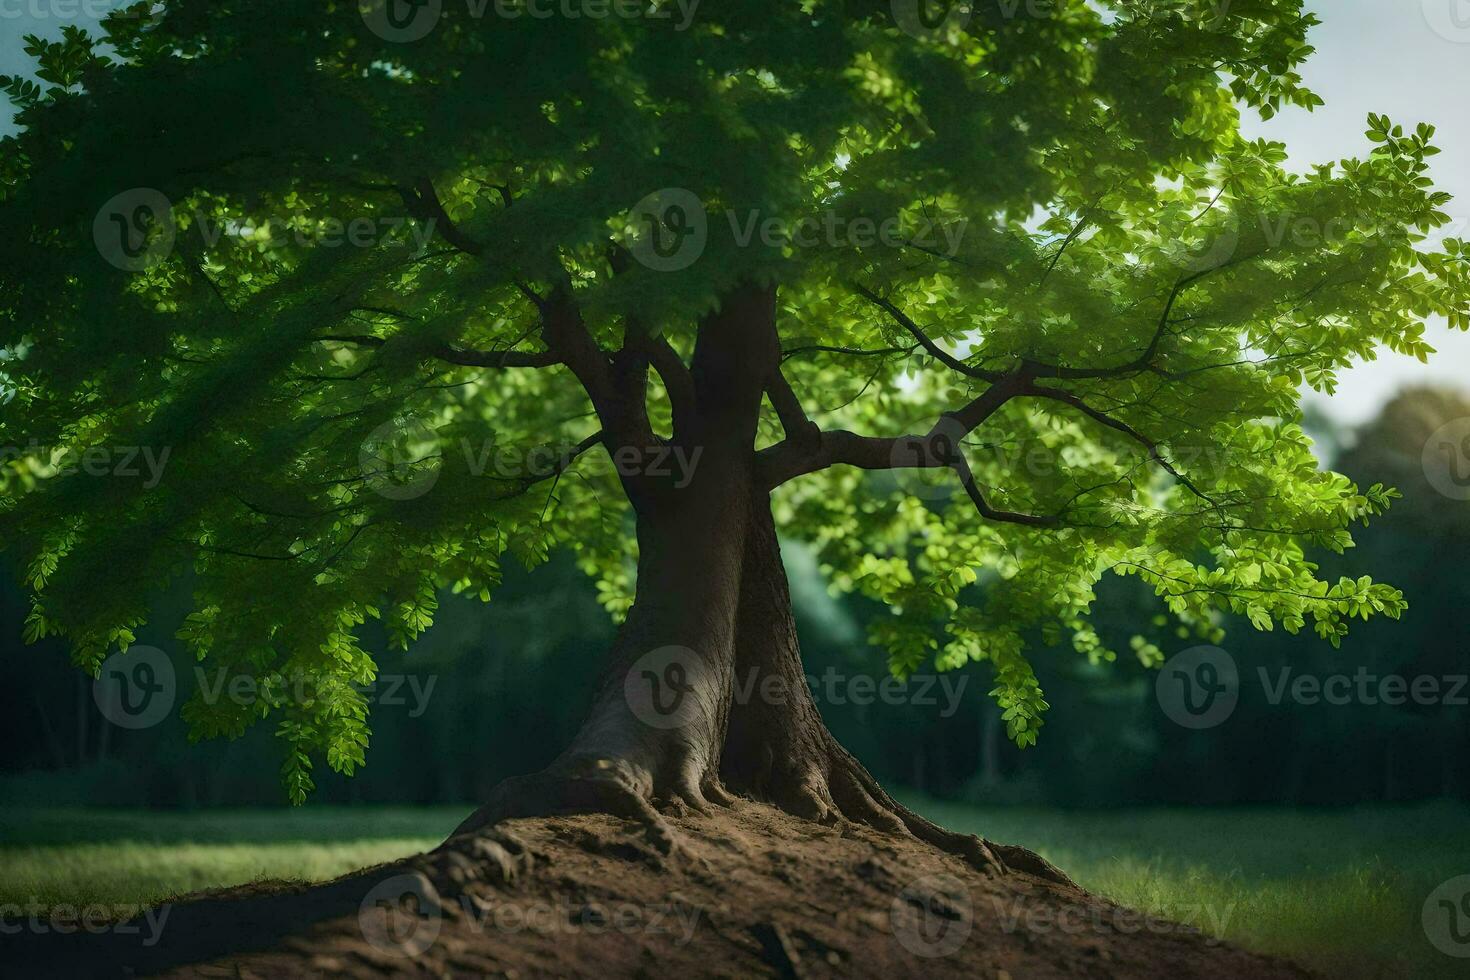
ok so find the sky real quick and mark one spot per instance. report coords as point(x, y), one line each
point(1407, 59)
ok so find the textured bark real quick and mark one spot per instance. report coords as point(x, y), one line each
point(704, 688)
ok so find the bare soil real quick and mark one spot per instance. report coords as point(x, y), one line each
point(748, 891)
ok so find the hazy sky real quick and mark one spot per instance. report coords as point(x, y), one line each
point(1408, 59)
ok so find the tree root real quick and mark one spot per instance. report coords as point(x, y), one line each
point(592, 786)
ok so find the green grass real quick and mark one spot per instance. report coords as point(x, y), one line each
point(1340, 891)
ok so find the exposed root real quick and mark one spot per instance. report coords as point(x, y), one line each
point(585, 786)
point(839, 789)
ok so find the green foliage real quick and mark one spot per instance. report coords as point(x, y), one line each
point(1063, 189)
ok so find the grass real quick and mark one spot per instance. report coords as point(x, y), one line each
point(1340, 891)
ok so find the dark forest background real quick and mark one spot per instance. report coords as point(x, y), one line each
point(511, 678)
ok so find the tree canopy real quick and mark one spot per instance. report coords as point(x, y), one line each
point(349, 285)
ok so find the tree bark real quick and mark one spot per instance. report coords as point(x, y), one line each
point(705, 687)
point(707, 696)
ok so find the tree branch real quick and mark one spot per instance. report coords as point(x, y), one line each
point(854, 351)
point(794, 421)
point(678, 382)
point(937, 448)
point(1118, 425)
point(939, 353)
point(423, 202)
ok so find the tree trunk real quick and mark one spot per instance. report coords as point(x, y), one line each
point(705, 688)
point(707, 696)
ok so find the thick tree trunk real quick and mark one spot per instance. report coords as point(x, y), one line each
point(654, 735)
point(706, 696)
point(712, 620)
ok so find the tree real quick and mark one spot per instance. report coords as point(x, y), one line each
point(354, 270)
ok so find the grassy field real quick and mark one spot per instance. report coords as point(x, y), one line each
point(1340, 891)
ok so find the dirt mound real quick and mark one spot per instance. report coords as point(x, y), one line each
point(749, 891)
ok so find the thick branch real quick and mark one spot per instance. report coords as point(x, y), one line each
point(672, 371)
point(423, 202)
point(794, 421)
point(961, 466)
point(936, 448)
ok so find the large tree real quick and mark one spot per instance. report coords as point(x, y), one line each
point(355, 267)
